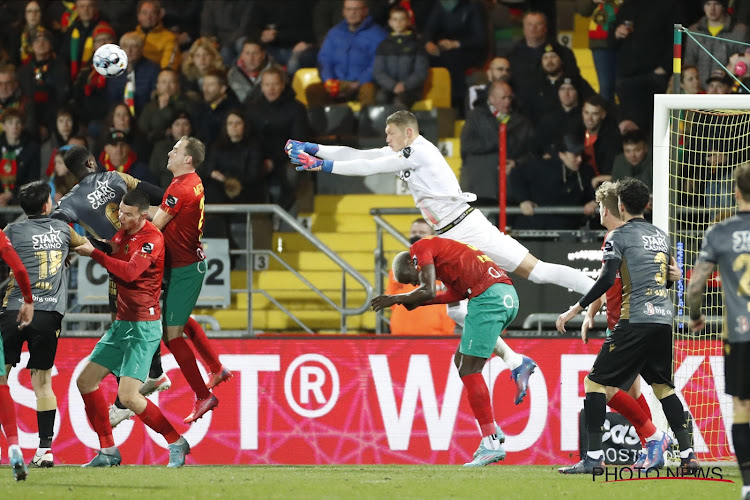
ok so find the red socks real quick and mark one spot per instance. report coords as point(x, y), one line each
point(186, 359)
point(644, 405)
point(197, 336)
point(624, 404)
point(98, 414)
point(154, 418)
point(479, 399)
point(8, 415)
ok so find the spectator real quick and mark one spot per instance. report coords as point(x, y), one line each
point(479, 143)
point(65, 128)
point(498, 69)
point(719, 83)
point(62, 180)
point(183, 18)
point(602, 47)
point(157, 115)
point(134, 87)
point(11, 97)
point(160, 45)
point(78, 46)
point(234, 171)
point(122, 14)
point(718, 26)
point(120, 119)
point(540, 94)
point(227, 22)
point(244, 75)
point(326, 15)
point(540, 183)
point(347, 57)
point(401, 65)
point(564, 118)
point(119, 156)
point(90, 88)
point(180, 126)
point(20, 45)
point(286, 33)
point(275, 117)
point(635, 159)
point(690, 82)
point(427, 320)
point(526, 55)
point(643, 37)
point(601, 138)
point(211, 113)
point(44, 79)
point(456, 38)
point(201, 58)
point(19, 158)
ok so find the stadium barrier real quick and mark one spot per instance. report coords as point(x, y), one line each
point(372, 400)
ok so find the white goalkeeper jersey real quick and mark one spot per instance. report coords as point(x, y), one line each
point(430, 179)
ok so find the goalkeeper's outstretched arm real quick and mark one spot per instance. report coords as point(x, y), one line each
point(346, 153)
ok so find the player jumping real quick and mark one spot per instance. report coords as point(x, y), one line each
point(437, 194)
point(137, 263)
point(727, 244)
point(493, 303)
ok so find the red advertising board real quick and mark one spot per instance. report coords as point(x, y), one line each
point(334, 401)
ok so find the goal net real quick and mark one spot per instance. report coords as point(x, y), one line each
point(698, 141)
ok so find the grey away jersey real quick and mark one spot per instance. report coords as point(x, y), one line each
point(42, 245)
point(728, 245)
point(644, 250)
point(95, 202)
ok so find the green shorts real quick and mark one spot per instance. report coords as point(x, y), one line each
point(181, 293)
point(489, 314)
point(127, 348)
point(609, 332)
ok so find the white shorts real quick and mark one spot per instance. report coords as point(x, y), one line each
point(477, 231)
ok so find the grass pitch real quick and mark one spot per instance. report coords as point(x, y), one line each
point(383, 481)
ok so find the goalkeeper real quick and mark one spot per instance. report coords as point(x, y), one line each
point(437, 194)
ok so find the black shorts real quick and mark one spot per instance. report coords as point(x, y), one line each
point(633, 349)
point(112, 296)
point(737, 369)
point(41, 336)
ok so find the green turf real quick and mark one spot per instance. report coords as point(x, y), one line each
point(393, 482)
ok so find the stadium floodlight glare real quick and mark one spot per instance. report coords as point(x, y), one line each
point(698, 142)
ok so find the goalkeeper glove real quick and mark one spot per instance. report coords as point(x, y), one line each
point(297, 146)
point(307, 162)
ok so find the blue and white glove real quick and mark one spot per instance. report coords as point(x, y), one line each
point(310, 163)
point(299, 147)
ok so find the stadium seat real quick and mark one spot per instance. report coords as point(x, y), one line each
point(332, 124)
point(436, 92)
point(371, 129)
point(302, 78)
point(428, 124)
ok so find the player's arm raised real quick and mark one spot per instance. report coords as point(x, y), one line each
point(697, 285)
point(155, 193)
point(333, 152)
point(390, 163)
point(127, 271)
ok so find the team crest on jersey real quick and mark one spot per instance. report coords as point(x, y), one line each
point(47, 241)
point(101, 195)
point(415, 262)
point(147, 248)
point(743, 325)
point(171, 201)
point(406, 152)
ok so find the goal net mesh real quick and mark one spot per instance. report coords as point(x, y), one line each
point(704, 148)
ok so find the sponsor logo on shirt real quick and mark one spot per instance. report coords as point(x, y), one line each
point(655, 243)
point(406, 152)
point(101, 194)
point(47, 241)
point(171, 201)
point(741, 241)
point(147, 248)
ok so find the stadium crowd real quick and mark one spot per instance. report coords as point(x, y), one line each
point(221, 70)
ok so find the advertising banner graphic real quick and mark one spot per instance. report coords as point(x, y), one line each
point(361, 400)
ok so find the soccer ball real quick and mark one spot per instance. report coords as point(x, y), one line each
point(110, 60)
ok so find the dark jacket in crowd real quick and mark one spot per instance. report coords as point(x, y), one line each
point(155, 121)
point(464, 23)
point(290, 18)
point(236, 160)
point(401, 58)
point(26, 156)
point(548, 182)
point(275, 122)
point(479, 150)
point(553, 126)
point(47, 83)
point(525, 61)
point(608, 145)
point(209, 121)
point(146, 73)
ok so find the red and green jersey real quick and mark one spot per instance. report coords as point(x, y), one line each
point(462, 268)
point(137, 294)
point(184, 200)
